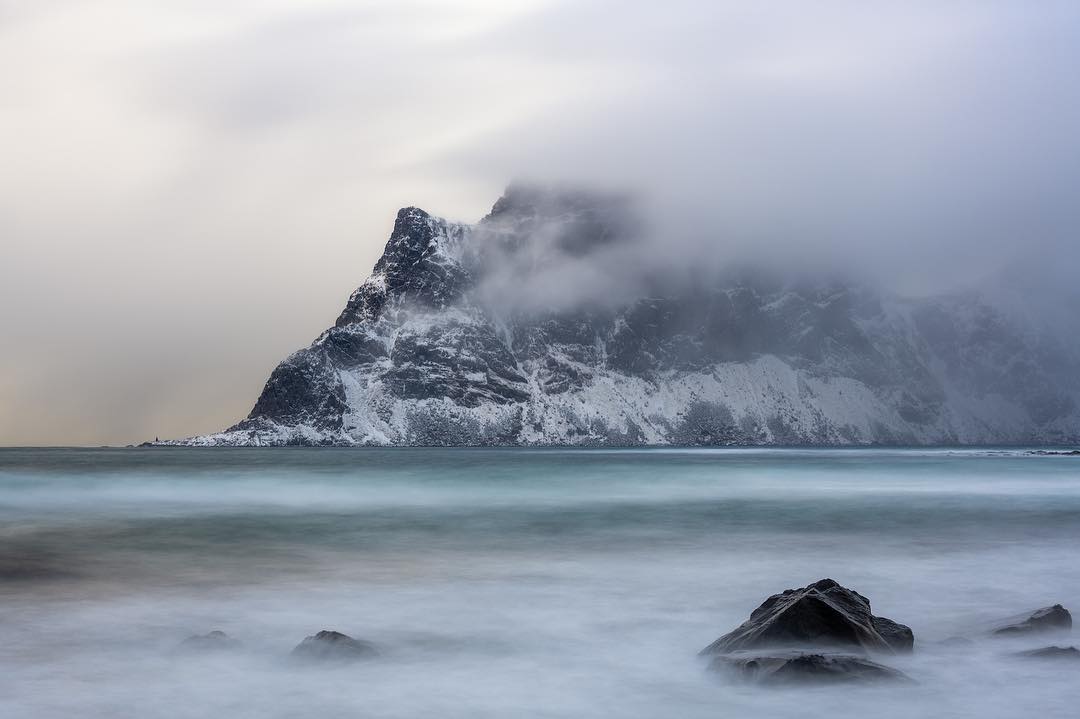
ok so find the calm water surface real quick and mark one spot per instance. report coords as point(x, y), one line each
point(516, 583)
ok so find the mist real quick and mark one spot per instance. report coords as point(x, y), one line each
point(531, 583)
point(192, 190)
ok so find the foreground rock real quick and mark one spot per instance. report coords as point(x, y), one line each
point(333, 646)
point(1047, 619)
point(214, 641)
point(799, 668)
point(1066, 653)
point(823, 614)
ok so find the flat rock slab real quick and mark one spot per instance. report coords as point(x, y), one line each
point(823, 614)
point(214, 641)
point(1055, 653)
point(331, 646)
point(1047, 619)
point(776, 669)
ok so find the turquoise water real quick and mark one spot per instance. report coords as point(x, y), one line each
point(547, 583)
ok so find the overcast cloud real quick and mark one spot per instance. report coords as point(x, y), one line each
point(191, 189)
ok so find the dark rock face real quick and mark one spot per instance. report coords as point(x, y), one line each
point(463, 362)
point(565, 349)
point(411, 268)
point(305, 389)
point(974, 337)
point(1047, 619)
point(574, 222)
point(822, 614)
point(353, 346)
point(707, 424)
point(330, 646)
point(214, 641)
point(1071, 654)
point(799, 668)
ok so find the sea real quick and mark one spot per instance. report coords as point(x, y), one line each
point(519, 582)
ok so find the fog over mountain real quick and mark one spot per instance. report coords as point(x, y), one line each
point(191, 189)
point(551, 322)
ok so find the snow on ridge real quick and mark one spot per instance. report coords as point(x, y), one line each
point(414, 360)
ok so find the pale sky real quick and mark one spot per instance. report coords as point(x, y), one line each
point(192, 188)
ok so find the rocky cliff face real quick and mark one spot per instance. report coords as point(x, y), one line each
point(423, 355)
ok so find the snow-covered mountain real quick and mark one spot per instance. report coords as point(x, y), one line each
point(432, 350)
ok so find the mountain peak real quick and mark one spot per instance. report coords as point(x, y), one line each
point(408, 216)
point(540, 201)
point(569, 220)
point(419, 265)
point(426, 352)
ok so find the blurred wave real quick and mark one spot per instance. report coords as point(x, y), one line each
point(512, 582)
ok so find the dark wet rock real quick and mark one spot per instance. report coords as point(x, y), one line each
point(214, 641)
point(1056, 453)
point(1056, 653)
point(801, 668)
point(821, 614)
point(333, 646)
point(1047, 619)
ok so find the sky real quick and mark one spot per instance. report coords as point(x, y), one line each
point(191, 189)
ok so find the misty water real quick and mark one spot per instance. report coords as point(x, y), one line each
point(517, 583)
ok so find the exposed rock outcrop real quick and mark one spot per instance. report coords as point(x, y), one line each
point(1071, 654)
point(823, 614)
point(214, 641)
point(1047, 619)
point(782, 641)
point(331, 646)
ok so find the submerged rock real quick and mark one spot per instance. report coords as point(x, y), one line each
point(333, 646)
point(1047, 619)
point(212, 642)
point(955, 642)
point(821, 614)
point(1067, 653)
point(802, 668)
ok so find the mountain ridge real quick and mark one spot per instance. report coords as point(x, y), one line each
point(434, 349)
